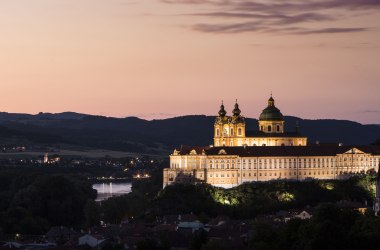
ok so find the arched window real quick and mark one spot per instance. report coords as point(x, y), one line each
point(232, 131)
point(225, 131)
point(217, 132)
point(261, 128)
point(239, 131)
point(278, 128)
point(269, 128)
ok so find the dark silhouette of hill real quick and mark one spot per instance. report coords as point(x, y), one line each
point(14, 136)
point(138, 135)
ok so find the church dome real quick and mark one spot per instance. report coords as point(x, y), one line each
point(271, 113)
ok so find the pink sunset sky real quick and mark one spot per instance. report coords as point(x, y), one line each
point(165, 58)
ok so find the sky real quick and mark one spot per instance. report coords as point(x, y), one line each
point(163, 58)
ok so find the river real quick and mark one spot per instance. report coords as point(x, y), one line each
point(108, 189)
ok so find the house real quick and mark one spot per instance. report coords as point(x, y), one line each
point(93, 241)
point(60, 234)
point(303, 215)
point(191, 226)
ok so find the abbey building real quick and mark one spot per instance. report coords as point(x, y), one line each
point(268, 153)
point(231, 131)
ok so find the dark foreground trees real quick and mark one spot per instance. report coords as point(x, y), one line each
point(31, 203)
point(330, 228)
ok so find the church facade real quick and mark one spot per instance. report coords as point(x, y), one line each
point(230, 131)
point(268, 154)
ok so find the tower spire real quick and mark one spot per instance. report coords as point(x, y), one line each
point(222, 112)
point(236, 111)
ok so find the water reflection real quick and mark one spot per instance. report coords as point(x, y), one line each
point(109, 189)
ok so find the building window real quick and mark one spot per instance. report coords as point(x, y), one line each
point(239, 131)
point(269, 128)
point(217, 132)
point(278, 128)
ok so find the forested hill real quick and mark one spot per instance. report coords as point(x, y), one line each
point(138, 135)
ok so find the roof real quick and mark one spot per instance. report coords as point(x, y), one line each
point(262, 151)
point(271, 113)
point(185, 150)
point(263, 134)
point(175, 219)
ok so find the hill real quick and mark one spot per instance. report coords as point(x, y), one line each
point(158, 136)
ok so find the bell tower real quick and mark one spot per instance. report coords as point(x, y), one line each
point(238, 123)
point(227, 129)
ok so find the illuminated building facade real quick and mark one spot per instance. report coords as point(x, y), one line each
point(271, 153)
point(230, 131)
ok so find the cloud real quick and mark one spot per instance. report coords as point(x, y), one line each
point(277, 5)
point(331, 31)
point(252, 26)
point(371, 111)
point(279, 16)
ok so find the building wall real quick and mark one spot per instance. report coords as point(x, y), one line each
point(232, 170)
point(260, 141)
point(271, 126)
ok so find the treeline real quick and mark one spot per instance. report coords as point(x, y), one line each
point(329, 228)
point(251, 199)
point(33, 201)
point(148, 200)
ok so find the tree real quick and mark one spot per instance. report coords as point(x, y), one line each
point(92, 212)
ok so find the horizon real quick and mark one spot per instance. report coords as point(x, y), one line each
point(178, 116)
point(162, 58)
